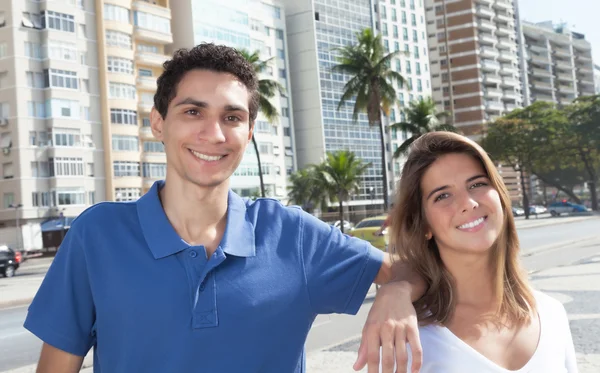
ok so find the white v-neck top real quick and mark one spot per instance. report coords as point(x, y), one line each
point(444, 352)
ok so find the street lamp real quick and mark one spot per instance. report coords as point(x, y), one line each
point(17, 206)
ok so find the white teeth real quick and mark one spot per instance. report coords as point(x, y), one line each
point(208, 158)
point(472, 224)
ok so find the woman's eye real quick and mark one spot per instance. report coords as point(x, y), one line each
point(441, 197)
point(477, 185)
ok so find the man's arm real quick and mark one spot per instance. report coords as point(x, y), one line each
point(393, 270)
point(53, 360)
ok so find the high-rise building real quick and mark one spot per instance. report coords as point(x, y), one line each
point(597, 78)
point(474, 60)
point(315, 29)
point(475, 65)
point(51, 135)
point(253, 25)
point(559, 63)
point(77, 79)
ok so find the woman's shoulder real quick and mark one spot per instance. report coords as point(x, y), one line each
point(549, 307)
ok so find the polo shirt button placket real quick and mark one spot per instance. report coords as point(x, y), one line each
point(193, 254)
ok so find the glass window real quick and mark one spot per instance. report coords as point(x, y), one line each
point(125, 143)
point(152, 22)
point(118, 39)
point(119, 65)
point(116, 13)
point(62, 79)
point(62, 166)
point(279, 34)
point(127, 194)
point(124, 168)
point(65, 197)
point(66, 137)
point(154, 170)
point(147, 48)
point(58, 21)
point(122, 90)
point(154, 147)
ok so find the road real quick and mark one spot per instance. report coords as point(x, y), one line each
point(541, 248)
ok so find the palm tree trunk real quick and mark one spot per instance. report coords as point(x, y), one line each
point(260, 175)
point(383, 162)
point(524, 191)
point(341, 213)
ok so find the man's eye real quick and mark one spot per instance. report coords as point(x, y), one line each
point(441, 197)
point(192, 112)
point(232, 118)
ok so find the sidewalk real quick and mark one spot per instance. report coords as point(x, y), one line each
point(576, 286)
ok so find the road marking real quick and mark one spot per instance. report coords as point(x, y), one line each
point(11, 335)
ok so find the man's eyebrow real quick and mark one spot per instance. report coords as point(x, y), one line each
point(191, 101)
point(235, 108)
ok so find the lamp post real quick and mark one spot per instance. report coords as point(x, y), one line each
point(372, 196)
point(17, 206)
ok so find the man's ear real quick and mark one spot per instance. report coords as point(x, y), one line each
point(157, 124)
point(251, 132)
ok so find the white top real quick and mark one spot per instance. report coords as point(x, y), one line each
point(444, 352)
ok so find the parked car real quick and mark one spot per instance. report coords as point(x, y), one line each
point(535, 210)
point(517, 211)
point(369, 229)
point(565, 207)
point(347, 225)
point(9, 261)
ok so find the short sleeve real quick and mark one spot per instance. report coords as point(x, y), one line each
point(62, 312)
point(339, 269)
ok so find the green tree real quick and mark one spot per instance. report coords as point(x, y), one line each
point(267, 89)
point(304, 189)
point(370, 85)
point(339, 176)
point(421, 117)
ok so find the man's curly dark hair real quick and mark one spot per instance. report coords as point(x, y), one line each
point(207, 56)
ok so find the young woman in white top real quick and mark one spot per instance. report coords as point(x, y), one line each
point(456, 228)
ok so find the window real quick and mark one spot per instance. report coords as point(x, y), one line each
point(82, 31)
point(33, 50)
point(384, 29)
point(124, 168)
point(36, 109)
point(122, 90)
point(62, 108)
point(32, 137)
point(395, 31)
point(413, 19)
point(58, 21)
point(3, 49)
point(7, 170)
point(116, 13)
point(118, 39)
point(147, 48)
point(419, 85)
point(383, 11)
point(66, 137)
point(265, 127)
point(154, 147)
point(145, 72)
point(282, 73)
point(119, 65)
point(122, 143)
point(412, 4)
point(65, 197)
point(2, 19)
point(61, 50)
point(91, 197)
point(265, 148)
point(386, 44)
point(9, 199)
point(65, 166)
point(127, 194)
point(85, 112)
point(404, 18)
point(285, 112)
point(279, 34)
point(398, 66)
point(396, 46)
point(317, 16)
point(83, 58)
point(40, 169)
point(80, 4)
point(85, 85)
point(154, 170)
point(445, 77)
point(152, 22)
point(281, 54)
point(394, 15)
point(408, 67)
point(416, 51)
point(410, 86)
point(418, 68)
point(61, 79)
point(145, 122)
point(415, 36)
point(4, 110)
point(405, 33)
point(274, 11)
point(35, 80)
point(90, 170)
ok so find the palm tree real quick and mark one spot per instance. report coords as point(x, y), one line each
point(267, 89)
point(421, 118)
point(304, 189)
point(339, 176)
point(370, 85)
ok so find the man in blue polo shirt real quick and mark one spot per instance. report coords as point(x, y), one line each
point(191, 277)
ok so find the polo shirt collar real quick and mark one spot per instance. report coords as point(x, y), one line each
point(163, 240)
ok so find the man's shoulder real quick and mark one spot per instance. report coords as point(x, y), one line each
point(104, 213)
point(270, 208)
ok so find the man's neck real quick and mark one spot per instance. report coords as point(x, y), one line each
point(198, 214)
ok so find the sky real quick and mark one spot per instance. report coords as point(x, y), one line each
point(581, 16)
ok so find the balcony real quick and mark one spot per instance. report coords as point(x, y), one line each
point(152, 36)
point(151, 59)
point(542, 86)
point(485, 12)
point(494, 106)
point(506, 44)
point(583, 59)
point(505, 18)
point(492, 93)
point(152, 7)
point(539, 49)
point(511, 96)
point(145, 106)
point(510, 82)
point(485, 3)
point(492, 79)
point(565, 77)
point(508, 70)
point(486, 25)
point(488, 52)
point(582, 44)
point(561, 53)
point(540, 60)
point(543, 98)
point(585, 71)
point(146, 133)
point(540, 72)
point(510, 107)
point(563, 65)
point(146, 83)
point(507, 56)
point(487, 39)
point(487, 65)
point(503, 5)
point(505, 30)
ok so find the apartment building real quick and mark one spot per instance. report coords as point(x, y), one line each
point(51, 139)
point(77, 79)
point(315, 29)
point(253, 25)
point(559, 63)
point(597, 78)
point(475, 65)
point(403, 28)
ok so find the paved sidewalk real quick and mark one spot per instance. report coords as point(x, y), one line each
point(576, 286)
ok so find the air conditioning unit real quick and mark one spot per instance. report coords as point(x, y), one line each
point(6, 151)
point(3, 122)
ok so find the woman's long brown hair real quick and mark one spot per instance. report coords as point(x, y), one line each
point(409, 226)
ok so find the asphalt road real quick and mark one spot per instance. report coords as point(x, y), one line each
point(543, 247)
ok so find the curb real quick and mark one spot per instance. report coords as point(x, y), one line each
point(557, 245)
point(556, 221)
point(15, 303)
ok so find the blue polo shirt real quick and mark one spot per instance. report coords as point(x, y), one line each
point(125, 283)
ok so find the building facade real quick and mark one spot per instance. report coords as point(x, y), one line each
point(253, 25)
point(315, 29)
point(559, 63)
point(597, 78)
